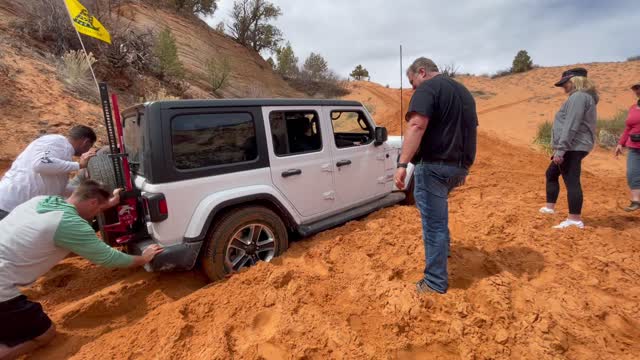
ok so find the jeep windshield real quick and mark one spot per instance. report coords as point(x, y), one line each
point(132, 126)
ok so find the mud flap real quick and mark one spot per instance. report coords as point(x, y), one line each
point(179, 257)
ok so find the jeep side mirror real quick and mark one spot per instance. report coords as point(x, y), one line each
point(381, 135)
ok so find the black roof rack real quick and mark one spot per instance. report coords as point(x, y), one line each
point(173, 104)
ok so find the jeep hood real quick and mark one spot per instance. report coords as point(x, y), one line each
point(395, 141)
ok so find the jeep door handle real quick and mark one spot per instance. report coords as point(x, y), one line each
point(291, 172)
point(342, 163)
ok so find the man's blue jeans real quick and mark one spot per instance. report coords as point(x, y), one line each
point(433, 183)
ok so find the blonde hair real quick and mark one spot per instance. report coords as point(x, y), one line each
point(582, 83)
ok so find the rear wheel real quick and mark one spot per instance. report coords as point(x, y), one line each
point(242, 238)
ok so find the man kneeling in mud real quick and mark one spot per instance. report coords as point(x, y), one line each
point(34, 238)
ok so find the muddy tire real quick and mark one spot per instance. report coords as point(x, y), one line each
point(410, 200)
point(241, 238)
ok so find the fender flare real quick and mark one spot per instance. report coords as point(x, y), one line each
point(214, 208)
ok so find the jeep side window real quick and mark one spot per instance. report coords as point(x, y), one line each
point(351, 128)
point(204, 140)
point(295, 132)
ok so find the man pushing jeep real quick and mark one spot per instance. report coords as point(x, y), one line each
point(34, 237)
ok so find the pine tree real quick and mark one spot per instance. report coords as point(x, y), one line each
point(166, 51)
point(287, 61)
point(316, 66)
point(522, 62)
point(359, 73)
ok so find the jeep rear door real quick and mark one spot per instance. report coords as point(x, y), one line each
point(300, 158)
point(360, 174)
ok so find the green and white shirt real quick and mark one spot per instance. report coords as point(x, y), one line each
point(38, 234)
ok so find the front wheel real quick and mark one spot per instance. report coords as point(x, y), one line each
point(241, 239)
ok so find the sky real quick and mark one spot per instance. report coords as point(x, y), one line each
point(478, 36)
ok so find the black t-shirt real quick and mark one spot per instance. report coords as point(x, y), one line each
point(451, 135)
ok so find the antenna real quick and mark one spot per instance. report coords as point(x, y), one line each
point(401, 107)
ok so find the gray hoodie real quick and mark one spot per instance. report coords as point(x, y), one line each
point(574, 128)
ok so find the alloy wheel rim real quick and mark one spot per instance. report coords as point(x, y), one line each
point(249, 245)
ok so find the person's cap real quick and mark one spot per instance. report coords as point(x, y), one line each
point(567, 75)
point(635, 86)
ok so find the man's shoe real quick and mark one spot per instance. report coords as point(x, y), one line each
point(635, 205)
point(570, 223)
point(545, 210)
point(423, 288)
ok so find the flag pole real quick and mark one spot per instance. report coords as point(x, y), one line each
point(86, 55)
point(401, 105)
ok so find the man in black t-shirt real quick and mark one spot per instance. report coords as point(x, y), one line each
point(441, 141)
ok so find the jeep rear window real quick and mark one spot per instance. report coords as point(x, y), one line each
point(205, 140)
point(134, 140)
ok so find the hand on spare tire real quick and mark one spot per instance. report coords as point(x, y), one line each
point(84, 158)
point(114, 200)
point(150, 252)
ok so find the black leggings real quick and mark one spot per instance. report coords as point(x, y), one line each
point(570, 170)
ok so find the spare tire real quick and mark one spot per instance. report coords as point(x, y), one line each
point(82, 174)
point(100, 168)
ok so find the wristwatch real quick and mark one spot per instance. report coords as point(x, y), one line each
point(403, 165)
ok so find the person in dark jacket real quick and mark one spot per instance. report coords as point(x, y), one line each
point(441, 140)
point(574, 136)
point(630, 139)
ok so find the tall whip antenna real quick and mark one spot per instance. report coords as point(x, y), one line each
point(401, 107)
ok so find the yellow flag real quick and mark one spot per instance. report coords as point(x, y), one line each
point(85, 23)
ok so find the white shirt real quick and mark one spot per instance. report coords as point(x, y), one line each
point(41, 169)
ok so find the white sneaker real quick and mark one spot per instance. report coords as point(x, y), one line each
point(545, 210)
point(569, 223)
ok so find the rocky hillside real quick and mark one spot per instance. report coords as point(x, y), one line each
point(33, 101)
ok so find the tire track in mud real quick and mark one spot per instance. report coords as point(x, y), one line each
point(512, 104)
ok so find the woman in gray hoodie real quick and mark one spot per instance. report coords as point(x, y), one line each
point(574, 136)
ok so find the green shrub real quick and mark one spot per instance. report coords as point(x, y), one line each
point(218, 74)
point(614, 125)
point(608, 131)
point(543, 136)
point(166, 51)
point(75, 73)
point(501, 73)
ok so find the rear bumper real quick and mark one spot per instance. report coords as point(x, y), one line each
point(180, 257)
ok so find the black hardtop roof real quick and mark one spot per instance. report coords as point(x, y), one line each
point(181, 104)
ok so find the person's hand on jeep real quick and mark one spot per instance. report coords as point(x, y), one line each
point(84, 158)
point(399, 177)
point(114, 200)
point(147, 255)
point(150, 252)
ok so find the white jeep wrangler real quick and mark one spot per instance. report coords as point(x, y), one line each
point(226, 182)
